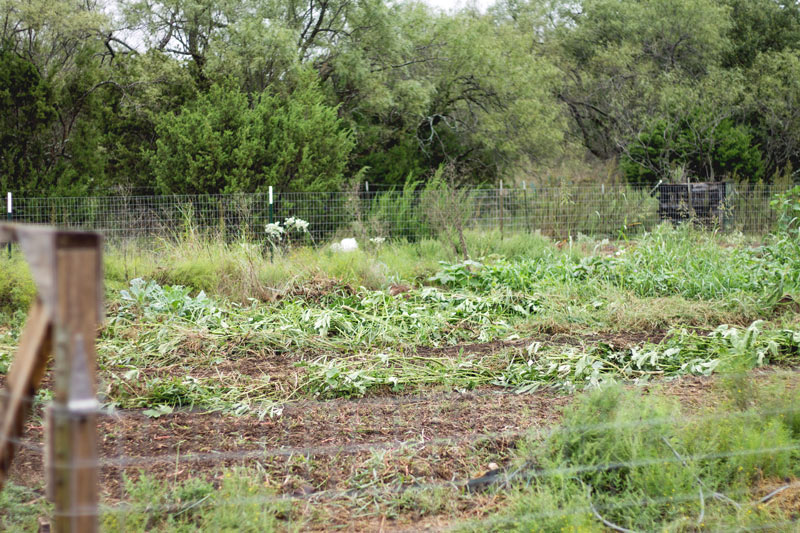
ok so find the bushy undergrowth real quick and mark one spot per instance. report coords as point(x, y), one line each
point(20, 508)
point(16, 286)
point(349, 340)
point(640, 463)
point(355, 341)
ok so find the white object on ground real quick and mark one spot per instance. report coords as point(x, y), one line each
point(347, 245)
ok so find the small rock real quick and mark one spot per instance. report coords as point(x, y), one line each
point(394, 290)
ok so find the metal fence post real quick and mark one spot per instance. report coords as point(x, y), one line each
point(270, 204)
point(270, 209)
point(500, 203)
point(8, 213)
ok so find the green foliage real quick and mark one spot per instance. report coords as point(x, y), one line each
point(240, 503)
point(306, 145)
point(706, 153)
point(448, 209)
point(221, 143)
point(20, 508)
point(630, 56)
point(665, 262)
point(26, 112)
point(395, 212)
point(639, 462)
point(760, 26)
point(17, 290)
point(359, 339)
point(727, 349)
point(235, 96)
point(771, 105)
point(788, 206)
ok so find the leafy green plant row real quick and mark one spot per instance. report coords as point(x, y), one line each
point(361, 344)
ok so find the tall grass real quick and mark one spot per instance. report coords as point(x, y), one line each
point(666, 262)
point(240, 270)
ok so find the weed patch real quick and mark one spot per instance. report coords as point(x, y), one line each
point(636, 462)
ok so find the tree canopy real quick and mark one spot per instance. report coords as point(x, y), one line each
point(208, 96)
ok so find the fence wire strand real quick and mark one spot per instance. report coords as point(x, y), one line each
point(524, 475)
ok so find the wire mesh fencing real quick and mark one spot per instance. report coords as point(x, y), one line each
point(559, 212)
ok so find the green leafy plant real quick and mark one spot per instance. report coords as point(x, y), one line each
point(787, 205)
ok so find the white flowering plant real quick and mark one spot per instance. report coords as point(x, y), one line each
point(274, 231)
point(296, 224)
point(278, 233)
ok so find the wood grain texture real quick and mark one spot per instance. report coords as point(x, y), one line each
point(24, 376)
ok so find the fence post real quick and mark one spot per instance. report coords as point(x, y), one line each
point(366, 203)
point(500, 203)
point(270, 204)
point(525, 203)
point(269, 209)
point(66, 268)
point(8, 215)
point(73, 470)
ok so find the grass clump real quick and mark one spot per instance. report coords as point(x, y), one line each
point(20, 508)
point(638, 462)
point(667, 262)
point(241, 501)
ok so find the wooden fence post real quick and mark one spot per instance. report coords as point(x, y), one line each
point(73, 472)
point(66, 268)
point(23, 378)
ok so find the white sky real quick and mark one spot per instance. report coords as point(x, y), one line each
point(448, 5)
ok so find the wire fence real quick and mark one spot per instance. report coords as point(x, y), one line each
point(128, 506)
point(596, 210)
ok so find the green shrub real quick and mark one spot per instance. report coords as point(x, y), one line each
point(20, 508)
point(17, 289)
